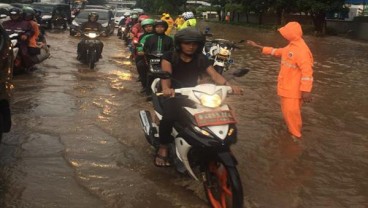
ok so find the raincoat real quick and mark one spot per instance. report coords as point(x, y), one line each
point(295, 76)
point(296, 73)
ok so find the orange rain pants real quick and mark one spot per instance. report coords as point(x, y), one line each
point(291, 112)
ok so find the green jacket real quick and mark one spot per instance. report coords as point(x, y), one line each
point(142, 41)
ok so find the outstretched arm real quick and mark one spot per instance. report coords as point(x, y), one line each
point(266, 50)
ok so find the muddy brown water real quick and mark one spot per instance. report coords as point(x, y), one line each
point(76, 139)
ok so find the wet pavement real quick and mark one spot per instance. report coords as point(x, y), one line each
point(76, 139)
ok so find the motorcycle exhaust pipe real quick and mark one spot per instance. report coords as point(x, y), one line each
point(150, 128)
point(146, 121)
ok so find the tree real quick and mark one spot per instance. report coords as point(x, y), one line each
point(160, 6)
point(97, 2)
point(221, 11)
point(318, 10)
point(233, 8)
point(281, 7)
point(260, 7)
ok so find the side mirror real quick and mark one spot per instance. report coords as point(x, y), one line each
point(240, 72)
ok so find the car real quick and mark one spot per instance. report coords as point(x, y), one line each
point(92, 6)
point(6, 74)
point(4, 12)
point(106, 18)
point(139, 10)
point(53, 14)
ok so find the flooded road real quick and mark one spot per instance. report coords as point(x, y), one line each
point(76, 139)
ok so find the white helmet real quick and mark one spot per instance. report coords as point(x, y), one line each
point(188, 15)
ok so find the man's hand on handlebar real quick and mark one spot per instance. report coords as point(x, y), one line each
point(169, 92)
point(236, 90)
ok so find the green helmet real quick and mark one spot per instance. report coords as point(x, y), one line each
point(147, 22)
point(134, 16)
point(28, 13)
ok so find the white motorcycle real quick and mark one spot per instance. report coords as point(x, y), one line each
point(201, 147)
point(219, 52)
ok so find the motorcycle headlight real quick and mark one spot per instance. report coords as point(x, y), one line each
point(105, 24)
point(211, 101)
point(92, 35)
point(44, 17)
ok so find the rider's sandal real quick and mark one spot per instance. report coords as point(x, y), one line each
point(164, 159)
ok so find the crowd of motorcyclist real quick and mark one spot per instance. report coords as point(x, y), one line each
point(148, 38)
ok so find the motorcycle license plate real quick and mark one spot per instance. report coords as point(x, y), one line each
point(155, 61)
point(214, 118)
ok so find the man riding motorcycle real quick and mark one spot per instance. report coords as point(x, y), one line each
point(157, 43)
point(18, 25)
point(186, 65)
point(90, 25)
point(29, 15)
point(190, 21)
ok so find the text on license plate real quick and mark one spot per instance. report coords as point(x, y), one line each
point(214, 118)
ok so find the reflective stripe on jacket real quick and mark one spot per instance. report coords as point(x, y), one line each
point(296, 73)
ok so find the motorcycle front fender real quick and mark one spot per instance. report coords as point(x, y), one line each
point(227, 159)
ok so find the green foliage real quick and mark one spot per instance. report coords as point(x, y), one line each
point(97, 2)
point(234, 7)
point(160, 6)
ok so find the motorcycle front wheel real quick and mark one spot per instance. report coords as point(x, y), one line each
point(222, 186)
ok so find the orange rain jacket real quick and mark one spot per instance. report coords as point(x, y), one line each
point(296, 73)
point(33, 40)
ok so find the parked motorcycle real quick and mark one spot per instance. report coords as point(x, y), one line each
point(89, 53)
point(201, 147)
point(219, 52)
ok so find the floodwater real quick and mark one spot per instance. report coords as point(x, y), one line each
point(76, 139)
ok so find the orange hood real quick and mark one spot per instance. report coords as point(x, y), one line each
point(292, 31)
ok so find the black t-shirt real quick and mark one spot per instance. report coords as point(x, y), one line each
point(186, 73)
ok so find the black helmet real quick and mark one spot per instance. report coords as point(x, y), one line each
point(189, 35)
point(161, 22)
point(15, 11)
point(93, 15)
point(29, 13)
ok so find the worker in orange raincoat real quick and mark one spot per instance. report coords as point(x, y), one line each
point(295, 78)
